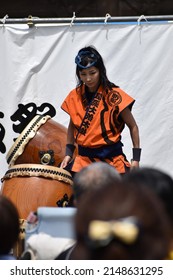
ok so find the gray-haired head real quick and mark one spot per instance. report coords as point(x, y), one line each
point(96, 175)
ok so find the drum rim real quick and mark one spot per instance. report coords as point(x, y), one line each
point(26, 135)
point(38, 170)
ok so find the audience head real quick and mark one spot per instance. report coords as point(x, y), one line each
point(9, 225)
point(121, 223)
point(94, 176)
point(156, 180)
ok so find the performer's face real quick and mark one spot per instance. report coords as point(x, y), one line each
point(90, 77)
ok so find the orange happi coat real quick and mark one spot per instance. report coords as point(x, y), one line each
point(99, 123)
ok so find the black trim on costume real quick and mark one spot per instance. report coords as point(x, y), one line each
point(102, 124)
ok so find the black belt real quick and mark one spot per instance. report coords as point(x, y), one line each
point(103, 152)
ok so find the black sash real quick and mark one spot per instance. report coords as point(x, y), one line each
point(103, 152)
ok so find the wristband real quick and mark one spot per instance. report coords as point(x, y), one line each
point(136, 154)
point(69, 150)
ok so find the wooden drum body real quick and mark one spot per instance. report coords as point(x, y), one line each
point(43, 141)
point(30, 186)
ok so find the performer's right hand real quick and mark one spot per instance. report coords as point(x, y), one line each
point(65, 161)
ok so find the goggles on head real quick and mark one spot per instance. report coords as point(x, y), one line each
point(85, 59)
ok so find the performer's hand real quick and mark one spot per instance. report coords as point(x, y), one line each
point(134, 164)
point(65, 161)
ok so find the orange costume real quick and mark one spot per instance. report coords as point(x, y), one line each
point(98, 126)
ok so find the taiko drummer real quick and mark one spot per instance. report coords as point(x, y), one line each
point(99, 111)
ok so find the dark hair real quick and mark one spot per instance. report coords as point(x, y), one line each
point(9, 225)
point(156, 180)
point(115, 202)
point(85, 56)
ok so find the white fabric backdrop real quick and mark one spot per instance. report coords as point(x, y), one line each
point(37, 65)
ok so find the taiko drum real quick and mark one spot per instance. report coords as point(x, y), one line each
point(30, 186)
point(41, 142)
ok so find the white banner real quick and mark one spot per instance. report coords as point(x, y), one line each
point(37, 71)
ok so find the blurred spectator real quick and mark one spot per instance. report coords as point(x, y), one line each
point(119, 222)
point(9, 228)
point(93, 176)
point(161, 184)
